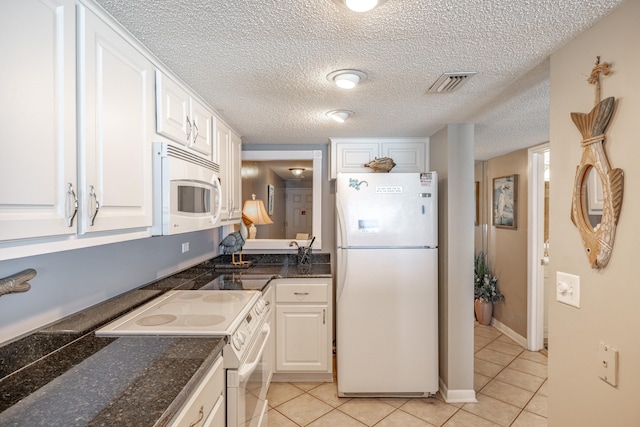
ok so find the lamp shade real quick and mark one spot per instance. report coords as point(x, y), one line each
point(256, 213)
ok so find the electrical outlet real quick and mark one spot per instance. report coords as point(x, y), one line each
point(568, 289)
point(185, 247)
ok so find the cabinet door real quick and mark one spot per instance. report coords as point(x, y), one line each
point(37, 119)
point(408, 156)
point(301, 337)
point(235, 178)
point(202, 129)
point(351, 157)
point(172, 110)
point(116, 127)
point(223, 143)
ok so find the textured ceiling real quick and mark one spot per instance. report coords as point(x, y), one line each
point(263, 64)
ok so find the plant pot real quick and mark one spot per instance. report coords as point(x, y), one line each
point(484, 311)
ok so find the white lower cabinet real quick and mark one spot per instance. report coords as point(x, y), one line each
point(206, 406)
point(303, 326)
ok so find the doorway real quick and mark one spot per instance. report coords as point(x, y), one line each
point(538, 247)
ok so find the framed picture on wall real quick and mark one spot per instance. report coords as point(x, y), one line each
point(270, 199)
point(477, 221)
point(505, 201)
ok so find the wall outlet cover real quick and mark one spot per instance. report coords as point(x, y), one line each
point(568, 289)
point(608, 363)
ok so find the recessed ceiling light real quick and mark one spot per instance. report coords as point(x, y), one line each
point(361, 5)
point(346, 79)
point(340, 116)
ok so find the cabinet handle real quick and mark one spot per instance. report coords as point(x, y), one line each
point(324, 316)
point(189, 130)
point(301, 293)
point(93, 194)
point(200, 417)
point(71, 196)
point(195, 126)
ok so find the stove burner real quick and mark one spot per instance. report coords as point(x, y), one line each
point(156, 320)
point(216, 298)
point(204, 320)
point(190, 295)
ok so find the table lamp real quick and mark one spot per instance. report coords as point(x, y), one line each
point(255, 211)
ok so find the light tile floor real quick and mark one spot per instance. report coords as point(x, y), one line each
point(510, 384)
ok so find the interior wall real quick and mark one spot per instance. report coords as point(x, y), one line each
point(609, 297)
point(257, 184)
point(452, 157)
point(507, 248)
point(70, 281)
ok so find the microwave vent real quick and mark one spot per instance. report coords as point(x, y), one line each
point(192, 158)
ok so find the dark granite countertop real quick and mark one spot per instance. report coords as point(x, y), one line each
point(64, 375)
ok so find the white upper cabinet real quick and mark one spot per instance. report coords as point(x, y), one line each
point(116, 112)
point(351, 154)
point(77, 125)
point(182, 118)
point(230, 152)
point(38, 117)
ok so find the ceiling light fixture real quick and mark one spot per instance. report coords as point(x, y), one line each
point(346, 79)
point(297, 172)
point(340, 116)
point(361, 5)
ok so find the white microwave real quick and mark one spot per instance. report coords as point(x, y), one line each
point(186, 191)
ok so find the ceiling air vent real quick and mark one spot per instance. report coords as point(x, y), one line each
point(448, 82)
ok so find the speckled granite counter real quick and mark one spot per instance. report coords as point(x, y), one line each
point(64, 375)
point(128, 381)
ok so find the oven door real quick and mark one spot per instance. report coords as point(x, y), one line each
point(248, 385)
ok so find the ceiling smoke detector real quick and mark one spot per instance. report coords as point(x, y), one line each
point(448, 82)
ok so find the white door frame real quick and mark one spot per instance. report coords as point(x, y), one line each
point(535, 251)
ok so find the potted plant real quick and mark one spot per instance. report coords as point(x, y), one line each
point(485, 289)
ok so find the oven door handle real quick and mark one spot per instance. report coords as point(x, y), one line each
point(245, 372)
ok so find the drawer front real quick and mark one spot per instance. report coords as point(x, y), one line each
point(302, 292)
point(197, 409)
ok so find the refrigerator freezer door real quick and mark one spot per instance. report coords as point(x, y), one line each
point(387, 210)
point(387, 322)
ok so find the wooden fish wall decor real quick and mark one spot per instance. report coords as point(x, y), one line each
point(383, 164)
point(597, 240)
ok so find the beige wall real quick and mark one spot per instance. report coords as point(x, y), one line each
point(507, 248)
point(452, 155)
point(609, 298)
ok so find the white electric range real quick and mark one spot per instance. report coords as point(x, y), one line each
point(240, 316)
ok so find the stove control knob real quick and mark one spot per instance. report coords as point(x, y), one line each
point(239, 340)
point(260, 306)
point(236, 342)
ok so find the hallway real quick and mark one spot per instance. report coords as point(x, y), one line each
point(510, 384)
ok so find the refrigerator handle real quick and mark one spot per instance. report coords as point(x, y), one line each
point(341, 253)
point(341, 263)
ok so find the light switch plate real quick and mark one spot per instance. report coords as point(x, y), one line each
point(608, 363)
point(568, 289)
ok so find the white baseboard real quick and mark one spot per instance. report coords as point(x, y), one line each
point(457, 396)
point(509, 332)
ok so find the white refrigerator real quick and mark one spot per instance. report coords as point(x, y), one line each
point(387, 284)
